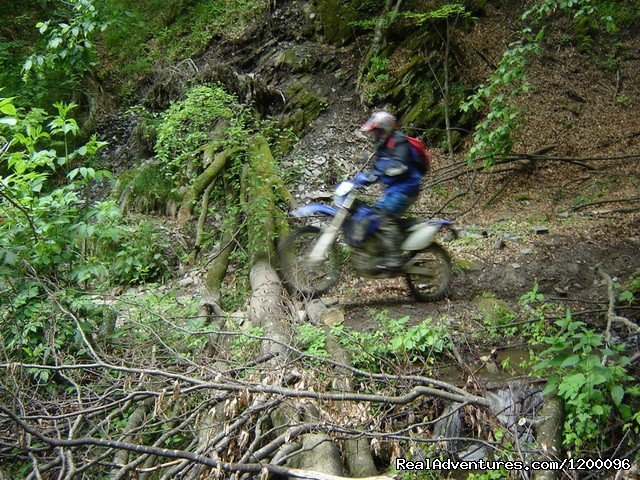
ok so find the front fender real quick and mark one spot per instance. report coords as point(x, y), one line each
point(422, 234)
point(314, 209)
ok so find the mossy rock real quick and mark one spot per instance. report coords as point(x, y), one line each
point(466, 265)
point(336, 17)
point(492, 309)
point(287, 60)
point(309, 107)
point(420, 109)
point(339, 18)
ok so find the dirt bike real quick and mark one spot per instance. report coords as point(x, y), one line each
point(310, 256)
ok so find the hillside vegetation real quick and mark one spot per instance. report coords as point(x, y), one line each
point(150, 152)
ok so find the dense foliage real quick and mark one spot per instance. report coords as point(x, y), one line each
point(81, 251)
point(53, 240)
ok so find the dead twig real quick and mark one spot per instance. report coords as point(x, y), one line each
point(612, 317)
point(605, 202)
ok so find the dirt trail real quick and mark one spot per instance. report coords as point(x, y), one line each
point(571, 106)
point(563, 269)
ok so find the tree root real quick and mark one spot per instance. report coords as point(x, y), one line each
point(201, 183)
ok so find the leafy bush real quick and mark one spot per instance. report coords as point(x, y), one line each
point(144, 189)
point(142, 255)
point(312, 339)
point(69, 43)
point(370, 350)
point(52, 239)
point(208, 116)
point(588, 375)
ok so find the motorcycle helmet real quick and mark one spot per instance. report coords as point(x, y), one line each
point(382, 125)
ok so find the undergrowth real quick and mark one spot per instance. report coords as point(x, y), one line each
point(394, 342)
point(144, 34)
point(591, 374)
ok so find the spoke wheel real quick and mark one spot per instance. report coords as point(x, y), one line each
point(300, 277)
point(435, 280)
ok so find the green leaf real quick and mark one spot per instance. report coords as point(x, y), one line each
point(7, 109)
point(571, 384)
point(625, 411)
point(550, 388)
point(617, 393)
point(626, 296)
point(570, 361)
point(10, 258)
point(54, 42)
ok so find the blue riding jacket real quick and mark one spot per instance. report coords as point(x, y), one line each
point(394, 168)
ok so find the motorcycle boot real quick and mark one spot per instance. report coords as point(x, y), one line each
point(391, 237)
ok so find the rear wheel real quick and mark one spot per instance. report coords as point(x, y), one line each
point(300, 277)
point(430, 274)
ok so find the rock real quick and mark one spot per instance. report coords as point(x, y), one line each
point(186, 281)
point(541, 229)
point(468, 265)
point(526, 251)
point(331, 302)
point(318, 313)
point(320, 195)
point(516, 265)
point(498, 243)
point(473, 454)
point(450, 425)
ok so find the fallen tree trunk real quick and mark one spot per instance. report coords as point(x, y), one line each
point(549, 434)
point(357, 450)
point(267, 309)
point(219, 265)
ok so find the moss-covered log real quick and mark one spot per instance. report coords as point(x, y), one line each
point(218, 268)
point(261, 183)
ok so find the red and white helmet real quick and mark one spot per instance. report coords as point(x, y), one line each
point(381, 121)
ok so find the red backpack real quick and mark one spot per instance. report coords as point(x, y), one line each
point(421, 157)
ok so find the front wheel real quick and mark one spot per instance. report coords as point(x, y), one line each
point(430, 274)
point(300, 277)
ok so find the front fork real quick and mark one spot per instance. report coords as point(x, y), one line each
point(320, 251)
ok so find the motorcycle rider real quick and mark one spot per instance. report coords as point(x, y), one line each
point(399, 175)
